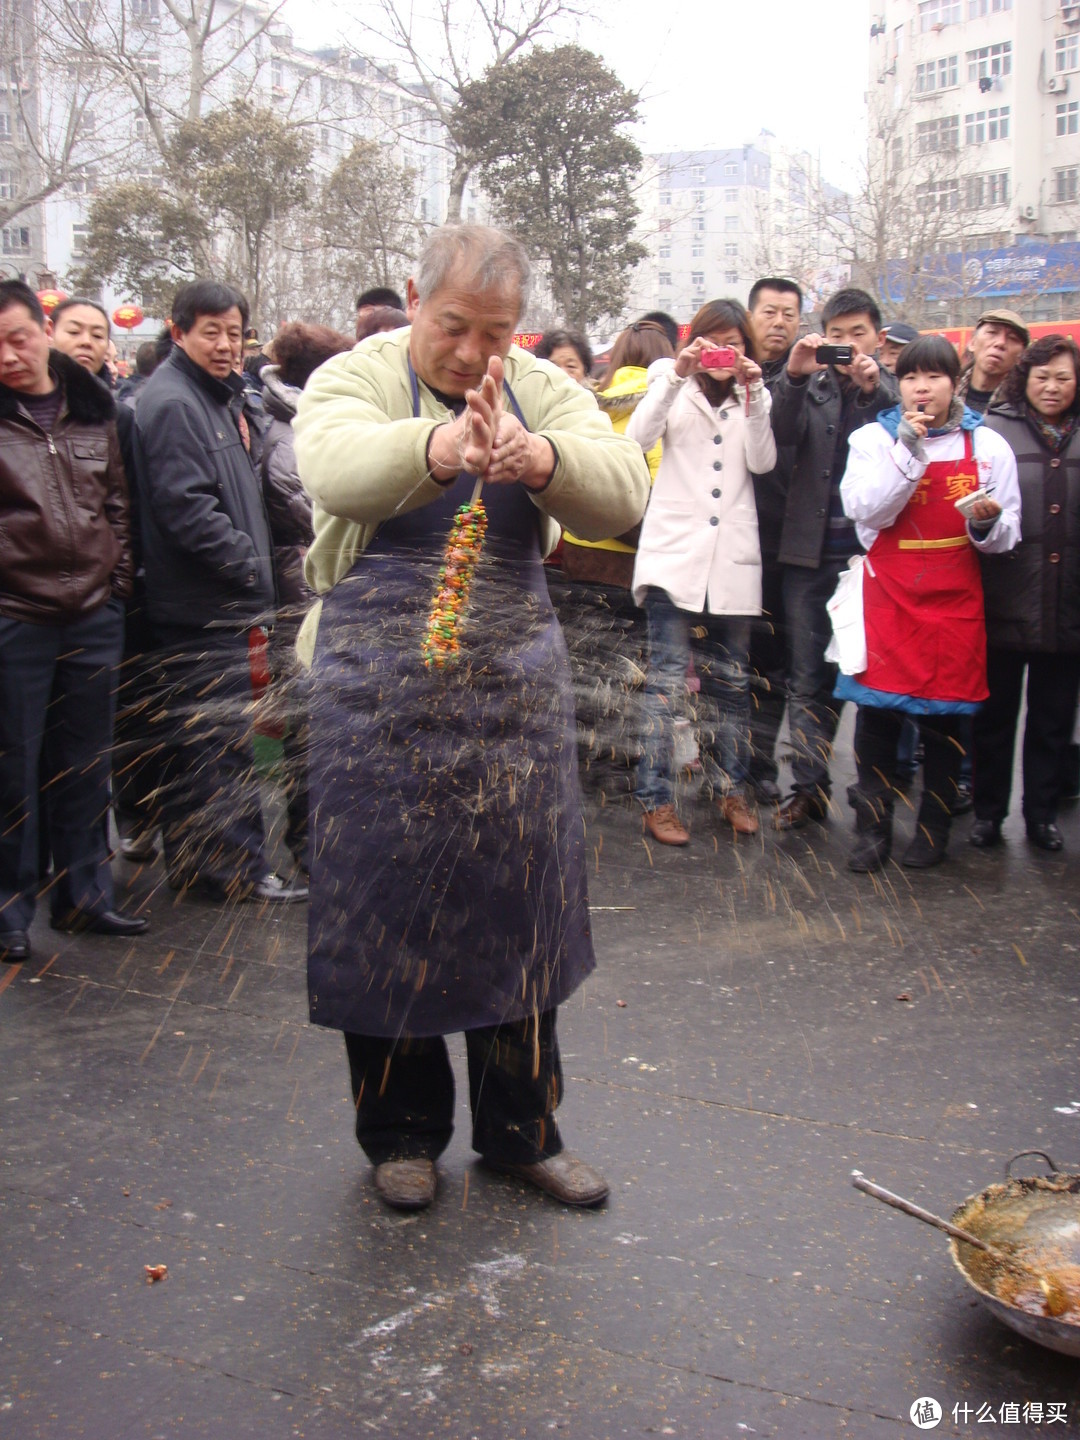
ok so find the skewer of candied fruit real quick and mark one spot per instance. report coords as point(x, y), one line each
point(463, 546)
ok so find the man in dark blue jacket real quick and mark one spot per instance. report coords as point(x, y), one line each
point(209, 579)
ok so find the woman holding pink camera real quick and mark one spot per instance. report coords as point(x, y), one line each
point(698, 567)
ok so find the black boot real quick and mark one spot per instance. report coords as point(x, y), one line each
point(873, 826)
point(931, 840)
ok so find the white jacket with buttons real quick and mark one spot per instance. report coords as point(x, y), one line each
point(699, 538)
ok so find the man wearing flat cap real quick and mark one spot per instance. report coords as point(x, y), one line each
point(1000, 338)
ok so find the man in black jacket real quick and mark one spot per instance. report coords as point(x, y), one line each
point(775, 309)
point(815, 408)
point(209, 579)
point(65, 567)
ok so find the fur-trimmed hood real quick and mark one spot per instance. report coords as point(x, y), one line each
point(89, 402)
point(627, 389)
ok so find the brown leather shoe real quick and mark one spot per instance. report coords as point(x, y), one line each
point(798, 810)
point(406, 1184)
point(564, 1176)
point(664, 825)
point(739, 814)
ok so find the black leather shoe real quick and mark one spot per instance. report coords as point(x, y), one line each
point(1046, 836)
point(798, 810)
point(564, 1176)
point(101, 922)
point(985, 834)
point(14, 946)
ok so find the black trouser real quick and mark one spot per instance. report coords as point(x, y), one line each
point(288, 692)
point(877, 733)
point(768, 675)
point(404, 1093)
point(211, 816)
point(138, 751)
point(57, 695)
point(1052, 682)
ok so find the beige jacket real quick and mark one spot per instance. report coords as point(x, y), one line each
point(361, 456)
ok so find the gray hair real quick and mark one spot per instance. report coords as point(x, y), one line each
point(490, 258)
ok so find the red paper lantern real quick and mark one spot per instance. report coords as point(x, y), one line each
point(127, 316)
point(50, 299)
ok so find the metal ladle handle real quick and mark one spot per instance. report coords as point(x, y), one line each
point(910, 1208)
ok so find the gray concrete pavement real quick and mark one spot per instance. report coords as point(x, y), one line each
point(761, 1023)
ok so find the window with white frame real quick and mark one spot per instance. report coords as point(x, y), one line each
point(697, 249)
point(664, 277)
point(989, 60)
point(697, 198)
point(730, 168)
point(664, 253)
point(984, 125)
point(145, 9)
point(9, 184)
point(697, 175)
point(938, 195)
point(983, 191)
point(731, 222)
point(1066, 189)
point(5, 125)
point(934, 75)
point(84, 180)
point(148, 64)
point(697, 223)
point(1067, 53)
point(1067, 117)
point(15, 239)
point(80, 234)
point(978, 8)
point(933, 13)
point(277, 74)
point(731, 194)
point(731, 249)
point(665, 197)
point(940, 134)
point(697, 279)
point(731, 277)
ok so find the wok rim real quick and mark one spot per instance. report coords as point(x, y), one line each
point(1062, 1336)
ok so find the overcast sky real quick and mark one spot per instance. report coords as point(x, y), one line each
point(711, 73)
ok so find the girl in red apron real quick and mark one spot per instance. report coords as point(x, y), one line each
point(922, 590)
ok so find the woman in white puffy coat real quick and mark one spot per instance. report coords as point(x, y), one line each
point(698, 568)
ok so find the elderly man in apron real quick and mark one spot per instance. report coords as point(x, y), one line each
point(448, 888)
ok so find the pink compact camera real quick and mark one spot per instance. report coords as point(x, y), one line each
point(723, 357)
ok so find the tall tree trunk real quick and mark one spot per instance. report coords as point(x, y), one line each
point(459, 178)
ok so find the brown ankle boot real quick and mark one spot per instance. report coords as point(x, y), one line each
point(739, 814)
point(664, 825)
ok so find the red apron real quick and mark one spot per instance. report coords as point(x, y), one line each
point(922, 594)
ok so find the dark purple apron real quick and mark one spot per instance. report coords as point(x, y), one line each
point(448, 886)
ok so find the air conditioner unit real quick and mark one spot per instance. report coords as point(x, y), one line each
point(1058, 85)
point(1028, 212)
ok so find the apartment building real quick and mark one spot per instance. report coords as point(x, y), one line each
point(978, 101)
point(714, 221)
point(72, 89)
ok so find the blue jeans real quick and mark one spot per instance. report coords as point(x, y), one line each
point(813, 714)
point(721, 657)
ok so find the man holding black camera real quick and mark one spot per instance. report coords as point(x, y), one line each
point(830, 387)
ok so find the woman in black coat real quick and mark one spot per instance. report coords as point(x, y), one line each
point(1033, 597)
